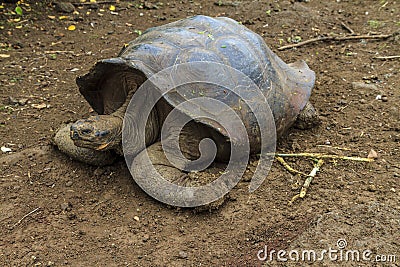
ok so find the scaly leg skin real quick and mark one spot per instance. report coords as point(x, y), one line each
point(142, 169)
point(93, 157)
point(308, 118)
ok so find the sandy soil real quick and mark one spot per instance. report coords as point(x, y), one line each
point(59, 212)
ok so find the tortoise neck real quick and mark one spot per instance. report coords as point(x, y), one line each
point(120, 112)
point(151, 132)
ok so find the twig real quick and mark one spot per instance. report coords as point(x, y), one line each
point(387, 57)
point(335, 147)
point(288, 167)
point(324, 156)
point(308, 181)
point(344, 25)
point(58, 52)
point(26, 215)
point(95, 3)
point(336, 38)
point(310, 177)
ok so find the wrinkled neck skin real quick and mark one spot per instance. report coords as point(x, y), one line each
point(133, 143)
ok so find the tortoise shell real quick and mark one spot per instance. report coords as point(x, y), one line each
point(286, 87)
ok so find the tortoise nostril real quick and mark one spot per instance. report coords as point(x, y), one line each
point(86, 131)
point(102, 133)
point(76, 131)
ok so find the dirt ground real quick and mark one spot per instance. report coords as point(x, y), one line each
point(56, 211)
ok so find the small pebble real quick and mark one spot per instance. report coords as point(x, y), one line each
point(136, 218)
point(327, 142)
point(183, 254)
point(384, 99)
point(372, 188)
point(363, 101)
point(5, 149)
point(146, 237)
point(99, 171)
point(23, 101)
point(393, 190)
point(372, 154)
point(66, 206)
point(68, 184)
point(71, 216)
point(65, 7)
point(81, 232)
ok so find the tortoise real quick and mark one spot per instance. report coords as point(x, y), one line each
point(111, 83)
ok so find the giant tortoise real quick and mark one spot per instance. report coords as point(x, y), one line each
point(111, 83)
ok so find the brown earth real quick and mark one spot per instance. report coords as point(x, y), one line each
point(55, 211)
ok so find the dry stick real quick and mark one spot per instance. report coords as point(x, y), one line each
point(324, 156)
point(95, 3)
point(288, 167)
point(26, 215)
point(336, 38)
point(310, 177)
point(335, 147)
point(308, 181)
point(59, 52)
point(387, 57)
point(344, 25)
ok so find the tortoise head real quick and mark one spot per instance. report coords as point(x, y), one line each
point(101, 132)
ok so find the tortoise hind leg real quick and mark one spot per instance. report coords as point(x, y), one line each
point(308, 118)
point(93, 157)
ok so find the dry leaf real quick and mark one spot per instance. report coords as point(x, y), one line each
point(4, 55)
point(51, 17)
point(62, 17)
point(112, 8)
point(71, 28)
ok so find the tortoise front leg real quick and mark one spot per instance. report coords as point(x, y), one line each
point(144, 170)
